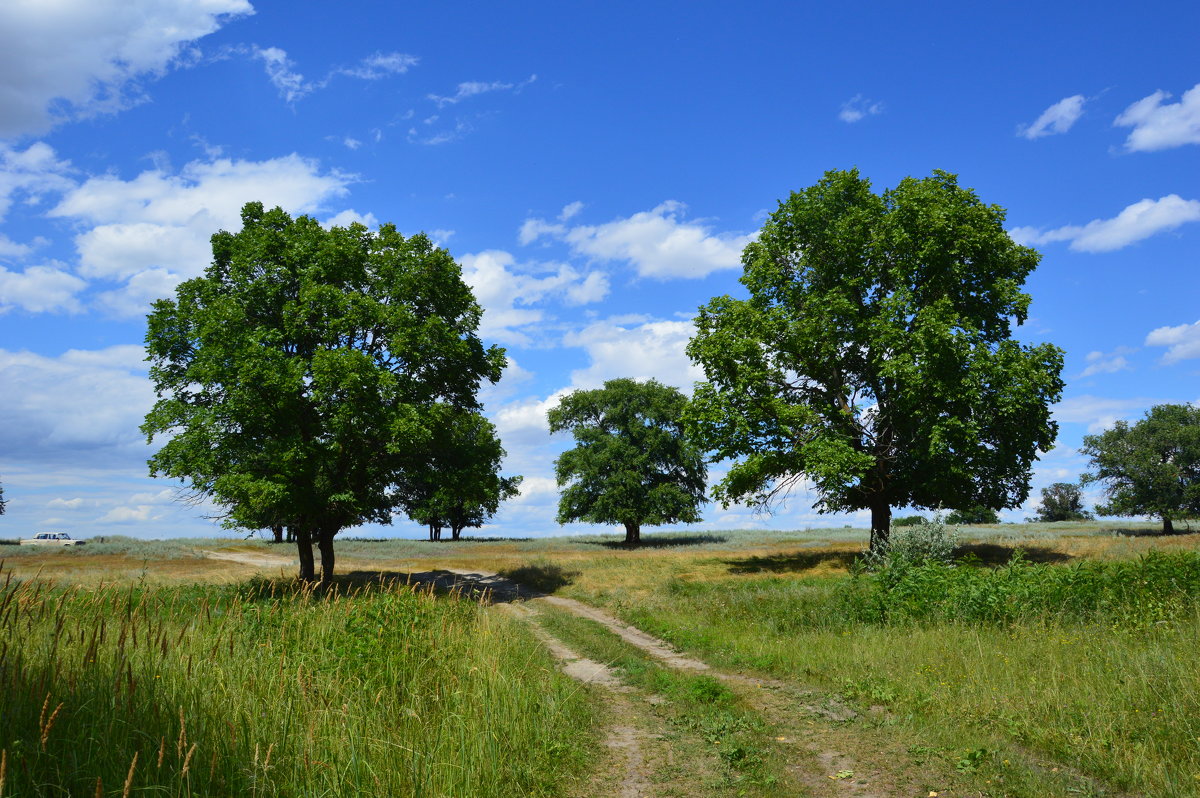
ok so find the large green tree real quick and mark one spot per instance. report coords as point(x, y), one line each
point(1062, 501)
point(297, 377)
point(632, 464)
point(1151, 467)
point(873, 357)
point(461, 486)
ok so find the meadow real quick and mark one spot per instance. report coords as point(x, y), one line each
point(1052, 659)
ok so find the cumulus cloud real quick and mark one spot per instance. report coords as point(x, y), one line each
point(473, 88)
point(31, 174)
point(152, 231)
point(1139, 221)
point(509, 293)
point(1058, 118)
point(40, 289)
point(1107, 362)
point(858, 108)
point(1160, 125)
point(1182, 342)
point(82, 407)
point(659, 243)
point(75, 58)
point(637, 348)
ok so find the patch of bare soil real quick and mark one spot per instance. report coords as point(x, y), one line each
point(249, 558)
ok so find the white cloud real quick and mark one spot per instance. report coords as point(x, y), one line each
point(570, 211)
point(1107, 362)
point(380, 65)
point(73, 58)
point(1182, 342)
point(1139, 221)
point(351, 143)
point(349, 217)
point(1099, 413)
point(31, 174)
point(40, 289)
point(859, 107)
point(154, 230)
point(659, 243)
point(1159, 125)
point(474, 88)
point(639, 349)
point(70, 504)
point(1058, 118)
point(81, 407)
point(131, 515)
point(282, 74)
point(507, 292)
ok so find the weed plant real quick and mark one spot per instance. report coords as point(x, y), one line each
point(274, 690)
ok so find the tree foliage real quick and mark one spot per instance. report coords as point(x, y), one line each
point(460, 486)
point(873, 357)
point(1150, 468)
point(297, 377)
point(1062, 501)
point(632, 464)
point(973, 515)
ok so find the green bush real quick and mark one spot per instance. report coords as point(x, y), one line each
point(909, 520)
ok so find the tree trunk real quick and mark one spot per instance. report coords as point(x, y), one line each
point(305, 552)
point(277, 531)
point(881, 527)
point(633, 533)
point(290, 535)
point(455, 531)
point(325, 545)
point(1168, 527)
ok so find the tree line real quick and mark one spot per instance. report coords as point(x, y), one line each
point(320, 379)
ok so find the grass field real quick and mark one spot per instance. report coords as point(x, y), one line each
point(1069, 671)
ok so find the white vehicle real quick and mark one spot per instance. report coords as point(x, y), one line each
point(51, 539)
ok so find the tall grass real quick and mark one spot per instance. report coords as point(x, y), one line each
point(1092, 664)
point(264, 690)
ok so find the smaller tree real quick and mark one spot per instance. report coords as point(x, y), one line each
point(1062, 501)
point(973, 515)
point(632, 464)
point(1150, 468)
point(458, 485)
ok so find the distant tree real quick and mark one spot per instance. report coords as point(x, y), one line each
point(1062, 501)
point(973, 515)
point(296, 377)
point(908, 520)
point(461, 486)
point(2, 502)
point(632, 464)
point(1150, 468)
point(873, 357)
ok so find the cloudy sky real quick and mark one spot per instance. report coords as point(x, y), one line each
point(596, 168)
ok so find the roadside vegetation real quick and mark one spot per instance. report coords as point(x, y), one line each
point(264, 689)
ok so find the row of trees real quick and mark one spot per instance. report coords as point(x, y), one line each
point(320, 379)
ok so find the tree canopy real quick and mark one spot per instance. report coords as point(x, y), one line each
point(297, 378)
point(1062, 501)
point(873, 357)
point(632, 464)
point(1151, 467)
point(460, 486)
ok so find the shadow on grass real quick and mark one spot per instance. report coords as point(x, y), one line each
point(996, 554)
point(544, 577)
point(1186, 529)
point(791, 563)
point(660, 542)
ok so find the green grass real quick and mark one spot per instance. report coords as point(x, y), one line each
point(1092, 664)
point(699, 707)
point(265, 690)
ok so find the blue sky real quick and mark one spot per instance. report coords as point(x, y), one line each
point(595, 167)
